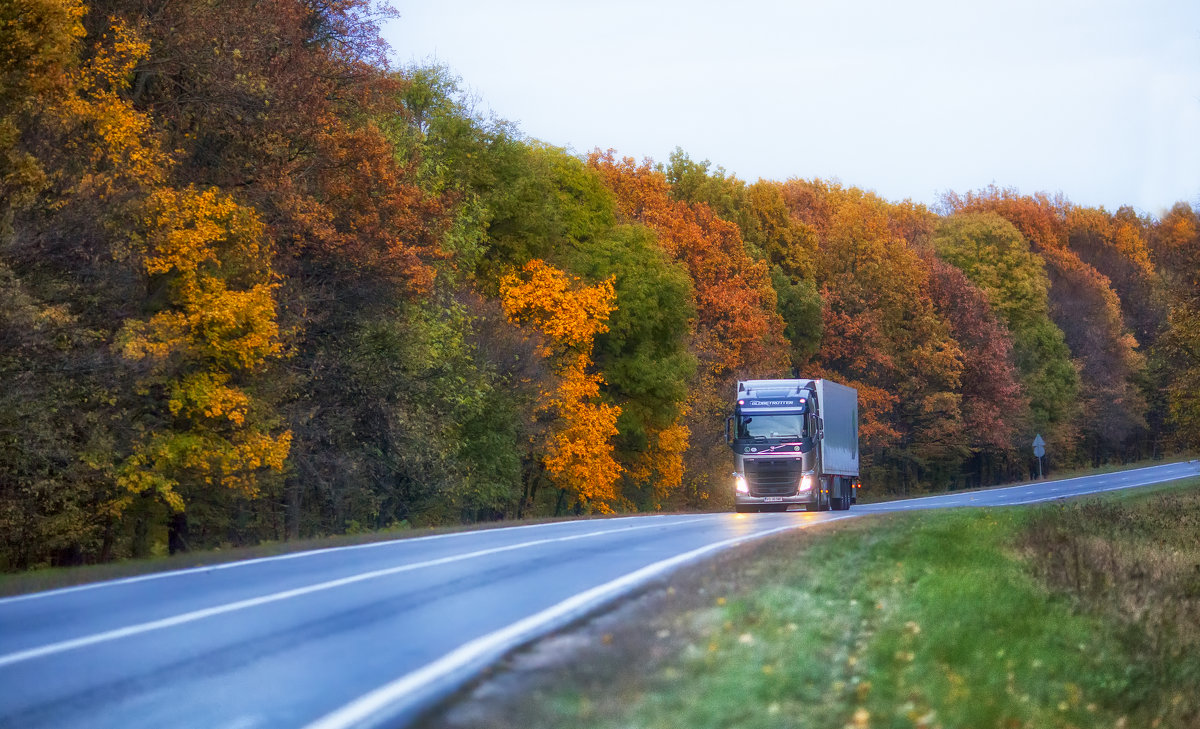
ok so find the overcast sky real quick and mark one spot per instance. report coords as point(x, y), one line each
point(1099, 100)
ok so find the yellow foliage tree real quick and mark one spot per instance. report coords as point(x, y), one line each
point(207, 263)
point(110, 143)
point(661, 463)
point(209, 255)
point(570, 314)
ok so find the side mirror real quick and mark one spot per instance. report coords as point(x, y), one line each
point(728, 424)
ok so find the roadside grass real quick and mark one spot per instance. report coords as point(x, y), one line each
point(1081, 614)
point(1135, 563)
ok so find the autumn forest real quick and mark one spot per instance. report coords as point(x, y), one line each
point(256, 284)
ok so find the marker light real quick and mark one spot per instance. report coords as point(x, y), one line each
point(740, 484)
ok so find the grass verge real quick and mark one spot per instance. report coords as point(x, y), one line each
point(1083, 614)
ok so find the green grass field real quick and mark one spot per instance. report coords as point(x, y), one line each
point(1080, 614)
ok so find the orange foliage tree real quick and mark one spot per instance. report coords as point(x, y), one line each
point(578, 452)
point(1118, 246)
point(883, 334)
point(1176, 246)
point(739, 333)
point(279, 100)
point(737, 324)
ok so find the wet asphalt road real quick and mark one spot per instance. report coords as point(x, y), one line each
point(365, 635)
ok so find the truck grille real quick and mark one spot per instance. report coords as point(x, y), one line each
point(773, 477)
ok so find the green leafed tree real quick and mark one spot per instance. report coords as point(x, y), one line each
point(644, 354)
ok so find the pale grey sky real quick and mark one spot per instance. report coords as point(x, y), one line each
point(1099, 100)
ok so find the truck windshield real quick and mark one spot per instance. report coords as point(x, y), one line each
point(771, 426)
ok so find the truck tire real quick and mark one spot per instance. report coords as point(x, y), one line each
point(840, 503)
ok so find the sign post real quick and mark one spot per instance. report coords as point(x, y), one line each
point(1039, 450)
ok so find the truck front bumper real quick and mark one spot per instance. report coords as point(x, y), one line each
point(744, 500)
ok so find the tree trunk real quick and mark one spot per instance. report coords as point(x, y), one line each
point(292, 514)
point(177, 533)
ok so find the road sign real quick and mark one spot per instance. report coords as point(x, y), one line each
point(1039, 450)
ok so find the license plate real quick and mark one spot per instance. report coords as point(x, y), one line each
point(773, 499)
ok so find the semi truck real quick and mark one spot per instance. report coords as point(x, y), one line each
point(795, 443)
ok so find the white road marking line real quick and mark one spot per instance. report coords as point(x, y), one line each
point(1009, 490)
point(495, 644)
point(1119, 487)
point(297, 555)
point(110, 635)
point(244, 722)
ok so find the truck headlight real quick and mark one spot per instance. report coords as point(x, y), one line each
point(806, 483)
point(740, 484)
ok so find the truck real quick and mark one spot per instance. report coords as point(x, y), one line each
point(795, 443)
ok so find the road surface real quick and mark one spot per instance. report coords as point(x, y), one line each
point(367, 635)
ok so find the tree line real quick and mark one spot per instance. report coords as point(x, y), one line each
point(257, 285)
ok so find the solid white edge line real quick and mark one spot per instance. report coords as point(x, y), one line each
point(306, 553)
point(87, 640)
point(1121, 487)
point(486, 648)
